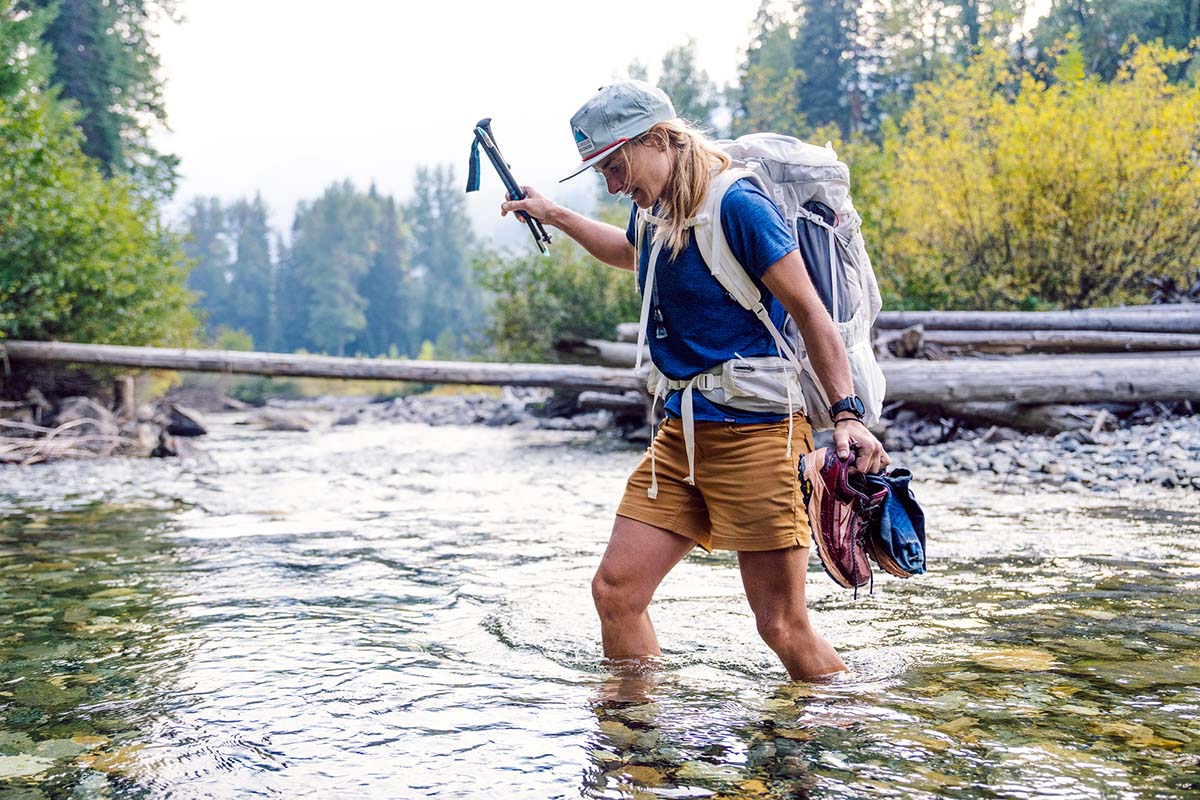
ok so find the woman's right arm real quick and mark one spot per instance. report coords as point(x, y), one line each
point(605, 242)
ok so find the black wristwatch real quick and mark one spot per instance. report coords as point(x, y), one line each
point(851, 404)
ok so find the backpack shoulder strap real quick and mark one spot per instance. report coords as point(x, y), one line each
point(710, 238)
point(729, 272)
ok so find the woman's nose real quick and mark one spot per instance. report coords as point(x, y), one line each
point(612, 184)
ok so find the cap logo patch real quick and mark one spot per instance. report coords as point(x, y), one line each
point(583, 142)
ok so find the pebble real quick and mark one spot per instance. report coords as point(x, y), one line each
point(1163, 452)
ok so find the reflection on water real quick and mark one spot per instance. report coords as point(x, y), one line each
point(404, 612)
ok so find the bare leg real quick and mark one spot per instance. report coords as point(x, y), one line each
point(637, 559)
point(774, 581)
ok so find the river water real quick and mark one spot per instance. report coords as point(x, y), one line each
point(402, 611)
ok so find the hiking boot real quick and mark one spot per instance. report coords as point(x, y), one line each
point(839, 514)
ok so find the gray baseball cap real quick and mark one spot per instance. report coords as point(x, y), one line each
point(613, 116)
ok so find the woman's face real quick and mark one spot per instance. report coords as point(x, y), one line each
point(642, 176)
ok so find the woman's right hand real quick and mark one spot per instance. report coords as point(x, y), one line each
point(534, 204)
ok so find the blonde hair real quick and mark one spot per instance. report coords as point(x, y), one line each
point(694, 162)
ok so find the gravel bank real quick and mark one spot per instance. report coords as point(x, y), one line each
point(1164, 451)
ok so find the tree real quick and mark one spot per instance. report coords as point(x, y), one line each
point(903, 43)
point(251, 285)
point(332, 245)
point(765, 97)
point(540, 299)
point(442, 247)
point(82, 257)
point(1103, 27)
point(825, 54)
point(207, 246)
point(390, 305)
point(1006, 191)
point(104, 62)
point(25, 62)
point(693, 94)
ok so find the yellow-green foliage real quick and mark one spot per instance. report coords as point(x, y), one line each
point(1001, 190)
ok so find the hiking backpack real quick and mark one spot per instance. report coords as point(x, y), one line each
point(811, 187)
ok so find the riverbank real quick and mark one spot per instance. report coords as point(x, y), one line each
point(1150, 446)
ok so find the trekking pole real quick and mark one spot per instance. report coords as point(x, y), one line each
point(485, 138)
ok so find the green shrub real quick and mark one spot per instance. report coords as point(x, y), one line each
point(1000, 190)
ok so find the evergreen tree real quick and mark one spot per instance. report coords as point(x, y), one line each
point(104, 61)
point(442, 245)
point(275, 337)
point(207, 246)
point(825, 55)
point(293, 297)
point(390, 305)
point(903, 43)
point(765, 96)
point(251, 285)
point(693, 94)
point(332, 246)
point(1103, 27)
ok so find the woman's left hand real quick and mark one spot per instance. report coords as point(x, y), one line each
point(870, 455)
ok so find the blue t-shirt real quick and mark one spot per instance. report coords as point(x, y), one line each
point(694, 323)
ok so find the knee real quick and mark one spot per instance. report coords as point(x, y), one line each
point(616, 599)
point(782, 630)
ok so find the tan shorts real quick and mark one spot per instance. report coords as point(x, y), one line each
point(747, 493)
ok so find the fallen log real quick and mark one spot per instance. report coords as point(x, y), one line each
point(1042, 341)
point(600, 352)
point(1049, 418)
point(562, 376)
point(1046, 379)
point(1181, 318)
point(627, 332)
point(596, 352)
point(625, 404)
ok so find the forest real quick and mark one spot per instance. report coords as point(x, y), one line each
point(998, 164)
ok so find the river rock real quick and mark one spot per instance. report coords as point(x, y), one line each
point(139, 438)
point(99, 419)
point(1160, 475)
point(183, 421)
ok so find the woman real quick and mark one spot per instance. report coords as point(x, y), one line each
point(743, 493)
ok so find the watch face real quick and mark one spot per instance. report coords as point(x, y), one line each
point(852, 404)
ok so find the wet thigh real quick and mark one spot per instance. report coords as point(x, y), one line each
point(638, 557)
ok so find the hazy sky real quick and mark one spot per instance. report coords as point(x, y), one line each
point(286, 97)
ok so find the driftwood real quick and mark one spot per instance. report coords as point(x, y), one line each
point(1046, 379)
point(562, 376)
point(599, 352)
point(1181, 318)
point(1050, 418)
point(625, 404)
point(913, 341)
point(42, 444)
point(627, 332)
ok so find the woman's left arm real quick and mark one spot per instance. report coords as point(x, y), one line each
point(788, 280)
